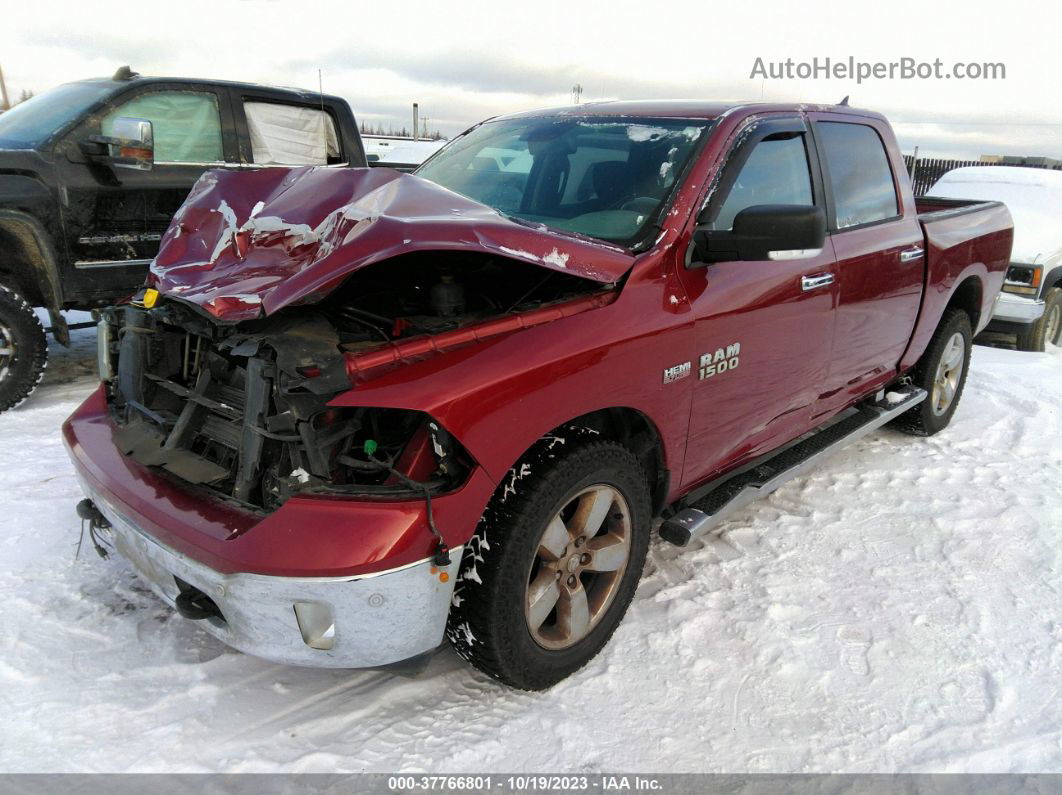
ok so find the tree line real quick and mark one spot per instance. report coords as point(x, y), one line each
point(367, 128)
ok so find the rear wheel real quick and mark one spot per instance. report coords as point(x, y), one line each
point(942, 373)
point(1053, 332)
point(23, 349)
point(554, 563)
point(1048, 329)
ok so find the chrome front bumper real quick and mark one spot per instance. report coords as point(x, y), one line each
point(365, 621)
point(1019, 309)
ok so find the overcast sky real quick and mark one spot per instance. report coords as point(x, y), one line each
point(464, 60)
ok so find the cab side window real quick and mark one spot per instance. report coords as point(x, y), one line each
point(291, 135)
point(186, 124)
point(776, 172)
point(859, 173)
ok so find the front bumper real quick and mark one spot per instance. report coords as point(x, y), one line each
point(1017, 309)
point(361, 621)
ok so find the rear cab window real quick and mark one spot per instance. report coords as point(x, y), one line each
point(283, 134)
point(858, 173)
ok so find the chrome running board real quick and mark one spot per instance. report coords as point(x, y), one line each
point(721, 499)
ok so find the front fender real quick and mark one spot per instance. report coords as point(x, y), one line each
point(36, 251)
point(500, 395)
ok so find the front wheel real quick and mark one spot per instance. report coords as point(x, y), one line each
point(942, 373)
point(554, 563)
point(23, 349)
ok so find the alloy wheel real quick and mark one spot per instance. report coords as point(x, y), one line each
point(949, 373)
point(577, 567)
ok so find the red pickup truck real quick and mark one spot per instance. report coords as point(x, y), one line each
point(354, 411)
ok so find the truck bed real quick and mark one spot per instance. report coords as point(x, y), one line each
point(964, 238)
point(930, 207)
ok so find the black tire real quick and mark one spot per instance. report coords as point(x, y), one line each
point(1035, 336)
point(924, 419)
point(22, 334)
point(487, 624)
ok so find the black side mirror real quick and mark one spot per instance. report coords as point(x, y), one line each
point(764, 231)
point(131, 146)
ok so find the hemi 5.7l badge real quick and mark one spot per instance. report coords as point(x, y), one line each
point(676, 372)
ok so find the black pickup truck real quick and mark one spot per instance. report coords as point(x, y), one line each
point(91, 173)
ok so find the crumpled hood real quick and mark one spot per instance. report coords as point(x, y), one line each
point(248, 243)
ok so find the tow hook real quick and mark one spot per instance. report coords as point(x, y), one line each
point(193, 604)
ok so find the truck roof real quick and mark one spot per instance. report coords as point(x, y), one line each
point(295, 93)
point(683, 109)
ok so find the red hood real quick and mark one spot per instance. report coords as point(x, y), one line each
point(250, 243)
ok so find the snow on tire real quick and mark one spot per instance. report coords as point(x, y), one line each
point(554, 562)
point(23, 349)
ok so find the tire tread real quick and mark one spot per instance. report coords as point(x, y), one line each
point(532, 486)
point(17, 386)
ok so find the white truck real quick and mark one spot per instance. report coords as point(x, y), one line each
point(1030, 306)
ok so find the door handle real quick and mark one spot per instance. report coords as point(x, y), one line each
point(911, 254)
point(816, 281)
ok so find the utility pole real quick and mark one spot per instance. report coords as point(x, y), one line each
point(577, 94)
point(416, 113)
point(5, 104)
point(424, 127)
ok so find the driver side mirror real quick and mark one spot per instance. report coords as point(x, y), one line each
point(762, 232)
point(131, 145)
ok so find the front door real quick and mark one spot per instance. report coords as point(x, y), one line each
point(113, 221)
point(764, 329)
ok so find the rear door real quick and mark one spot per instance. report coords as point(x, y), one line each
point(114, 221)
point(764, 329)
point(879, 245)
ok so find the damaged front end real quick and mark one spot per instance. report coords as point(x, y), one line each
point(277, 291)
point(243, 410)
point(229, 453)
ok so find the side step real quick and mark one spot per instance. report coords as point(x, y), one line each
point(720, 500)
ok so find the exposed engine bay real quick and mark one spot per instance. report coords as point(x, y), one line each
point(242, 409)
point(428, 294)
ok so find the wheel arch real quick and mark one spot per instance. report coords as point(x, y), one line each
point(1052, 279)
point(968, 296)
point(638, 433)
point(32, 267)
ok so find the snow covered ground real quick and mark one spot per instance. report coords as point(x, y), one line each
point(899, 609)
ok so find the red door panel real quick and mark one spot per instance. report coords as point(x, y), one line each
point(879, 292)
point(784, 332)
point(880, 263)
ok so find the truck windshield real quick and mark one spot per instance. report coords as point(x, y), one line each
point(603, 177)
point(31, 122)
